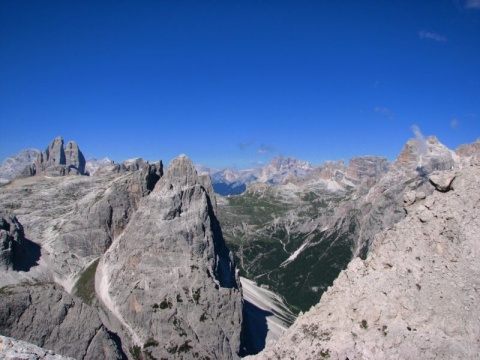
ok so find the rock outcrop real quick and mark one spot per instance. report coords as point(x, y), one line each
point(366, 168)
point(168, 279)
point(416, 296)
point(11, 238)
point(71, 221)
point(58, 161)
point(467, 150)
point(44, 314)
point(12, 349)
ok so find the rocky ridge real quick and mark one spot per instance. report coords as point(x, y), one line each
point(169, 279)
point(416, 294)
point(329, 214)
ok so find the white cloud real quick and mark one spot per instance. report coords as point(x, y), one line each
point(454, 123)
point(264, 149)
point(472, 4)
point(245, 145)
point(427, 35)
point(422, 143)
point(385, 112)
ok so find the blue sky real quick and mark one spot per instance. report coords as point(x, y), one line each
point(234, 83)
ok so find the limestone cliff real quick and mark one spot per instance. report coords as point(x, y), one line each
point(416, 296)
point(57, 160)
point(47, 316)
point(169, 279)
point(11, 238)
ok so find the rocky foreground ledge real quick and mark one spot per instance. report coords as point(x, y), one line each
point(12, 349)
point(417, 294)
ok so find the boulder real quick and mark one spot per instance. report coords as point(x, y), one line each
point(442, 180)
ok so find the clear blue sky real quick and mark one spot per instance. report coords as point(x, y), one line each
point(233, 83)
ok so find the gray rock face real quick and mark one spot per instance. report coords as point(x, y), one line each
point(416, 296)
point(426, 156)
point(442, 180)
point(467, 150)
point(74, 159)
point(74, 219)
point(12, 349)
point(11, 237)
point(14, 165)
point(366, 168)
point(169, 279)
point(58, 161)
point(45, 315)
point(92, 165)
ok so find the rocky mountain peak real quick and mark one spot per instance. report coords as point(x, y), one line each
point(74, 158)
point(425, 155)
point(15, 164)
point(281, 163)
point(181, 173)
point(58, 161)
point(409, 152)
point(169, 278)
point(467, 150)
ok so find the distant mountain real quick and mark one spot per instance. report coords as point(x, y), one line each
point(14, 165)
point(296, 236)
point(415, 296)
point(93, 165)
point(234, 181)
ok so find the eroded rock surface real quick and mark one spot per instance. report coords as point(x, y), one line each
point(169, 279)
point(416, 296)
point(57, 160)
point(45, 315)
point(12, 349)
point(11, 238)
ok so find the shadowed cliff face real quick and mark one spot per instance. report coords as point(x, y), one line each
point(169, 278)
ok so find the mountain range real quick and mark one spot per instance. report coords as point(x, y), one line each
point(140, 262)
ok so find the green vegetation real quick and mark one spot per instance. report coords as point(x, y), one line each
point(364, 324)
point(12, 206)
point(6, 291)
point(150, 342)
point(136, 352)
point(85, 286)
point(184, 348)
point(196, 295)
point(165, 304)
point(261, 233)
point(325, 354)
